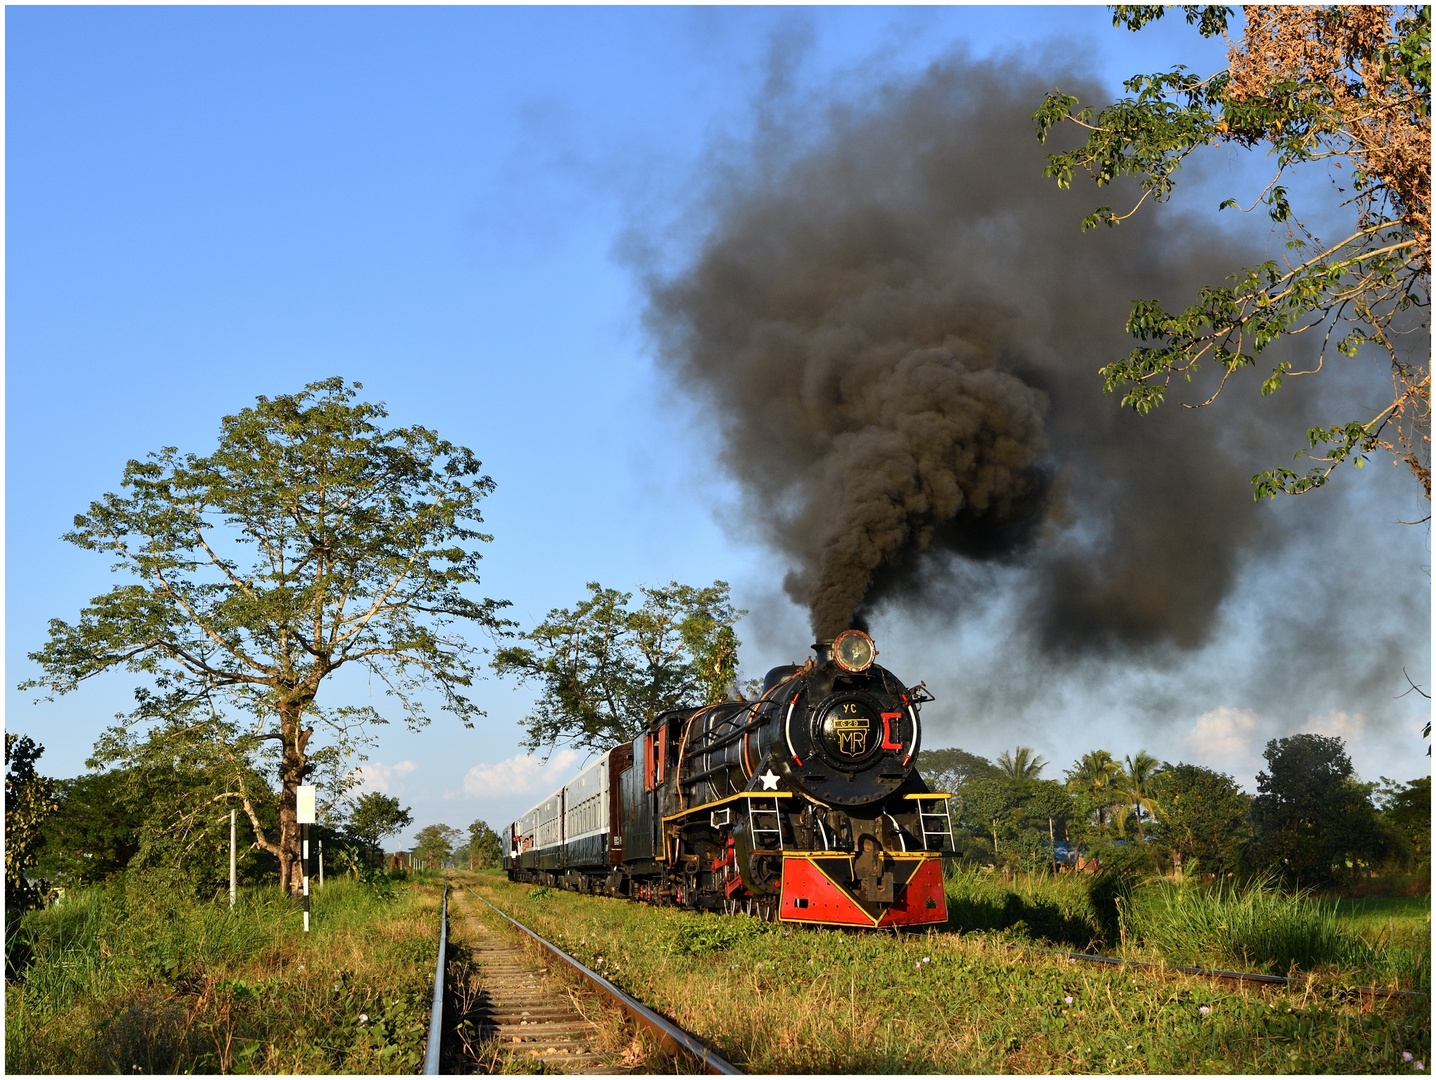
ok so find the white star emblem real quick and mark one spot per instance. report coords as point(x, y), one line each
point(770, 780)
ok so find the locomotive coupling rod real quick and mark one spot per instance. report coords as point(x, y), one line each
point(670, 1036)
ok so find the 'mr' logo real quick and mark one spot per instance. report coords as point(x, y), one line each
point(852, 729)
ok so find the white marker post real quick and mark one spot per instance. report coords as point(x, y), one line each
point(304, 813)
point(233, 860)
point(321, 864)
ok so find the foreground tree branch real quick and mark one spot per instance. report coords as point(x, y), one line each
point(1345, 84)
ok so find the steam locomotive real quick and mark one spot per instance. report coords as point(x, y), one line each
point(802, 806)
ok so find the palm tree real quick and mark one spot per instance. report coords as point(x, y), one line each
point(1097, 775)
point(1136, 786)
point(1022, 764)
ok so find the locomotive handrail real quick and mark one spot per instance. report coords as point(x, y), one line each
point(728, 799)
point(729, 736)
point(669, 1034)
point(694, 778)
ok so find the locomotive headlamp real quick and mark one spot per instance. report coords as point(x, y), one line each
point(854, 651)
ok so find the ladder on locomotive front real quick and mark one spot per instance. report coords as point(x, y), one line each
point(934, 823)
point(765, 814)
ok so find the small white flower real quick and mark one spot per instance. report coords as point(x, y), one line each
point(1406, 1055)
point(927, 959)
point(363, 1018)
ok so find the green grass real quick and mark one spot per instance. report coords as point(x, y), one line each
point(1378, 912)
point(1254, 928)
point(1052, 909)
point(782, 999)
point(139, 976)
point(1250, 929)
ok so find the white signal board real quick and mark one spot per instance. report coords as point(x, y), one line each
point(304, 799)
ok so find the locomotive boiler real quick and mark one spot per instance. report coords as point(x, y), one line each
point(802, 805)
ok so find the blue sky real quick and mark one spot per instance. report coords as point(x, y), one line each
point(206, 204)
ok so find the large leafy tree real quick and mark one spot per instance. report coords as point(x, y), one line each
point(1204, 818)
point(311, 539)
point(606, 670)
point(1313, 820)
point(485, 849)
point(948, 769)
point(435, 843)
point(375, 816)
point(1096, 777)
point(1349, 86)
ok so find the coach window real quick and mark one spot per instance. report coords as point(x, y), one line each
point(648, 762)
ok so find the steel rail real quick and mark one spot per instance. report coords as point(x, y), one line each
point(1212, 973)
point(436, 1011)
point(670, 1035)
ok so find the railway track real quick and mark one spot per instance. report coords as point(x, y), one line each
point(511, 1006)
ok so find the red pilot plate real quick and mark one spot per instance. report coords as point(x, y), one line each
point(817, 888)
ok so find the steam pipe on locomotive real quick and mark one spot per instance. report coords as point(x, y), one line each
point(803, 805)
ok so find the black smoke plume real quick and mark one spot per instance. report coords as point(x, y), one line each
point(899, 330)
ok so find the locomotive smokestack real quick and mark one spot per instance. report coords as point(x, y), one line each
point(824, 650)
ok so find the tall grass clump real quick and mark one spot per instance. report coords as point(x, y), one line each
point(1254, 927)
point(146, 973)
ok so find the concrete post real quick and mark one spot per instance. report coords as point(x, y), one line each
point(233, 857)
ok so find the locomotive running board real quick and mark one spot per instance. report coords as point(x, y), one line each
point(818, 888)
point(725, 801)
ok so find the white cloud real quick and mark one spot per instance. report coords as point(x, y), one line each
point(388, 779)
point(1348, 726)
point(1225, 734)
point(520, 775)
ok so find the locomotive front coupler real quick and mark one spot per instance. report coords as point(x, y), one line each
point(871, 873)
